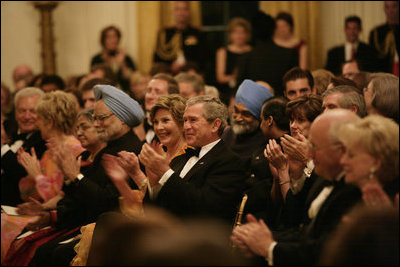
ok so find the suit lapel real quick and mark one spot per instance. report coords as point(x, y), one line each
point(205, 160)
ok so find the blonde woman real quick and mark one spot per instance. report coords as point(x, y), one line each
point(371, 158)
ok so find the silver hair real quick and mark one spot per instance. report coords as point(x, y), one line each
point(213, 109)
point(350, 98)
point(27, 92)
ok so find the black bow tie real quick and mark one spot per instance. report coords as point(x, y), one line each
point(190, 152)
point(334, 183)
point(21, 136)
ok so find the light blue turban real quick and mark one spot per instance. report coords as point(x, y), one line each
point(122, 105)
point(252, 95)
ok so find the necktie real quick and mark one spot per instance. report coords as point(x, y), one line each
point(190, 152)
point(353, 52)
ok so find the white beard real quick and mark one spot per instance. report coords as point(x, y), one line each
point(245, 127)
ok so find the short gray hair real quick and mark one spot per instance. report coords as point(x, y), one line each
point(27, 92)
point(195, 80)
point(385, 87)
point(350, 98)
point(213, 109)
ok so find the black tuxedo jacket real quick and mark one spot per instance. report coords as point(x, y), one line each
point(365, 55)
point(12, 171)
point(213, 187)
point(307, 250)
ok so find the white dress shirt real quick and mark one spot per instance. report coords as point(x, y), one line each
point(154, 190)
point(347, 50)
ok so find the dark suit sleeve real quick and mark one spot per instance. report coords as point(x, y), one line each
point(333, 63)
point(216, 192)
point(129, 62)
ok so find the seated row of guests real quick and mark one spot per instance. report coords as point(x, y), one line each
point(332, 195)
point(204, 179)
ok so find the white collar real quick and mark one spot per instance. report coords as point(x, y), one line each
point(204, 149)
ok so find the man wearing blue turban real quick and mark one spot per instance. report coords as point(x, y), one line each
point(244, 136)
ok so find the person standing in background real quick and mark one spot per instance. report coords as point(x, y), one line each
point(284, 37)
point(181, 43)
point(385, 39)
point(120, 62)
point(239, 32)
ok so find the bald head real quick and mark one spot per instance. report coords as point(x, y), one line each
point(326, 152)
point(22, 74)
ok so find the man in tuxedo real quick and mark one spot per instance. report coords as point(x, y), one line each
point(328, 200)
point(352, 49)
point(27, 137)
point(207, 181)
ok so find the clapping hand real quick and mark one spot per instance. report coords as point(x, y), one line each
point(155, 160)
point(29, 162)
point(296, 148)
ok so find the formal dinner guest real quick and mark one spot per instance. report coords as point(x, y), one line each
point(167, 118)
point(292, 166)
point(207, 181)
point(26, 136)
point(328, 201)
point(114, 57)
point(226, 65)
point(371, 156)
point(284, 37)
point(45, 181)
point(382, 95)
point(92, 192)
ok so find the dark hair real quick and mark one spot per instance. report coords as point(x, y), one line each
point(36, 79)
point(276, 107)
point(104, 33)
point(160, 67)
point(286, 17)
point(263, 26)
point(108, 72)
point(92, 82)
point(298, 73)
point(309, 106)
point(53, 79)
point(336, 81)
point(355, 19)
point(173, 87)
point(190, 65)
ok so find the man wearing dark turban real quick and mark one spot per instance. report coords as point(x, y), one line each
point(92, 192)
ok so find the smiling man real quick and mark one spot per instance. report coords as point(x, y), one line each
point(26, 137)
point(245, 136)
point(206, 182)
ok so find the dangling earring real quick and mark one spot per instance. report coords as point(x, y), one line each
point(371, 173)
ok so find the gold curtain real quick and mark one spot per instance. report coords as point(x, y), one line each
point(307, 22)
point(152, 16)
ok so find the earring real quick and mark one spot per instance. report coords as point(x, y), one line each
point(372, 173)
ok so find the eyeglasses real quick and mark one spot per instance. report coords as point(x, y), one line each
point(336, 146)
point(102, 117)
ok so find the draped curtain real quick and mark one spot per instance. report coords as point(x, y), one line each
point(307, 21)
point(152, 16)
